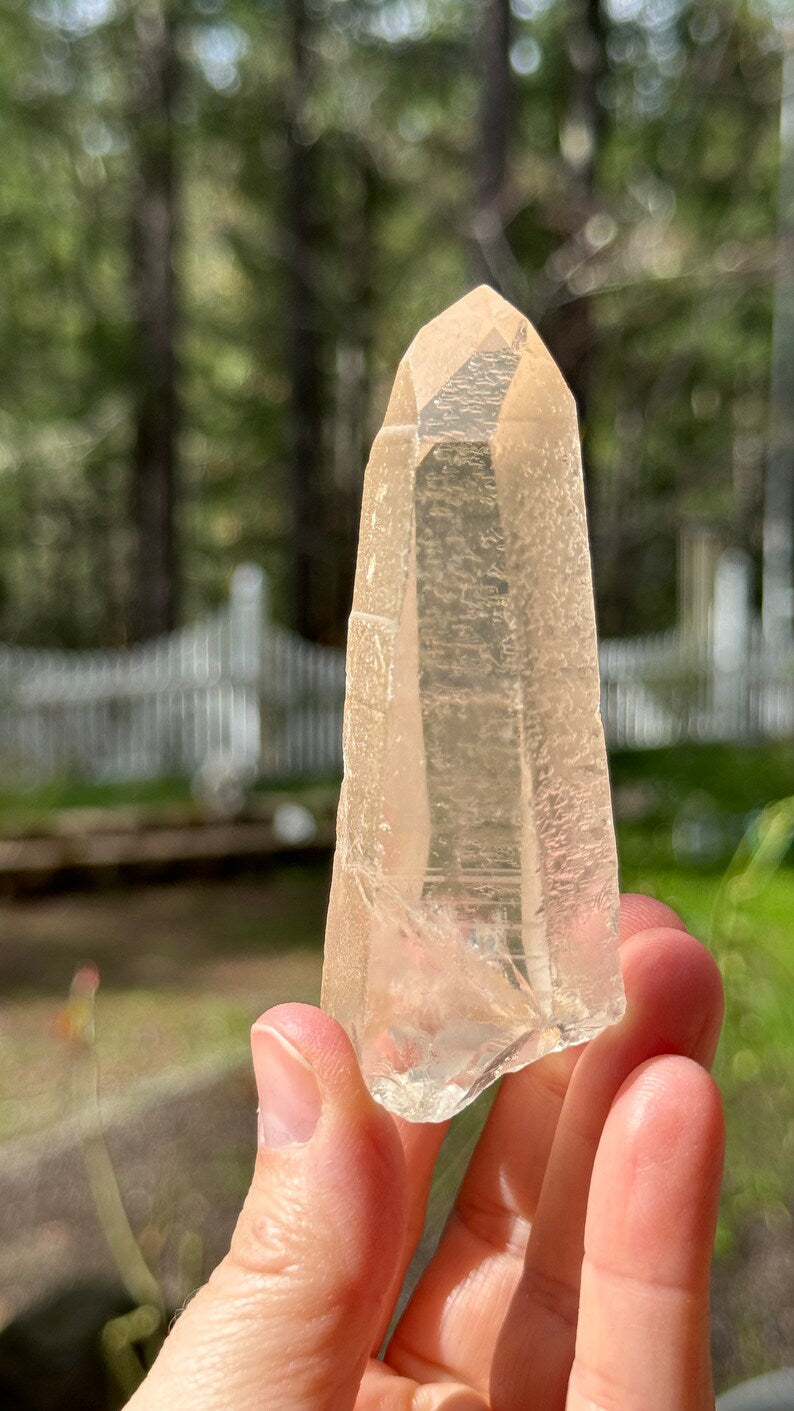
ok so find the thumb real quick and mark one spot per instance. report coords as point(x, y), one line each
point(288, 1318)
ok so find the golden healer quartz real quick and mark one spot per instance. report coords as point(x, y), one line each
point(472, 923)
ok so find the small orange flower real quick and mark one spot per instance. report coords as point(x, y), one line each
point(74, 1023)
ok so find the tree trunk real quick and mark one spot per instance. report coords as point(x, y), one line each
point(568, 328)
point(305, 353)
point(353, 374)
point(778, 518)
point(493, 260)
point(153, 607)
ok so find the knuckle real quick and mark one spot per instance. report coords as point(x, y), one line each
point(599, 1389)
point(553, 1294)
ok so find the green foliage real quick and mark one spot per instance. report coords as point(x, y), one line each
point(739, 899)
point(661, 795)
point(670, 252)
point(751, 926)
point(18, 805)
point(746, 915)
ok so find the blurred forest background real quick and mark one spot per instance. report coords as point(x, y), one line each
point(221, 222)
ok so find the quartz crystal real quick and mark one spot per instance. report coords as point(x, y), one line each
point(472, 923)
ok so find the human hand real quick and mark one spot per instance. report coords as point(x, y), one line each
point(573, 1272)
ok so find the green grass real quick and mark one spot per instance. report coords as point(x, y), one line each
point(739, 898)
point(732, 779)
point(750, 931)
point(736, 778)
point(25, 808)
point(20, 806)
point(663, 796)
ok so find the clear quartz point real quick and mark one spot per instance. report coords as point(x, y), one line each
point(473, 916)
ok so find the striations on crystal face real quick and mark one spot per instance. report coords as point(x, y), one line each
point(472, 923)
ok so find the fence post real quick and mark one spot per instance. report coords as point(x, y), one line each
point(730, 639)
point(247, 608)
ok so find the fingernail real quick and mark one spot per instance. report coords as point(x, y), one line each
point(289, 1093)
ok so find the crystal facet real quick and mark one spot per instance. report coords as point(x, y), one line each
point(472, 923)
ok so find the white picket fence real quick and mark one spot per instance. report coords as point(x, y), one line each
point(241, 692)
point(666, 689)
point(235, 690)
